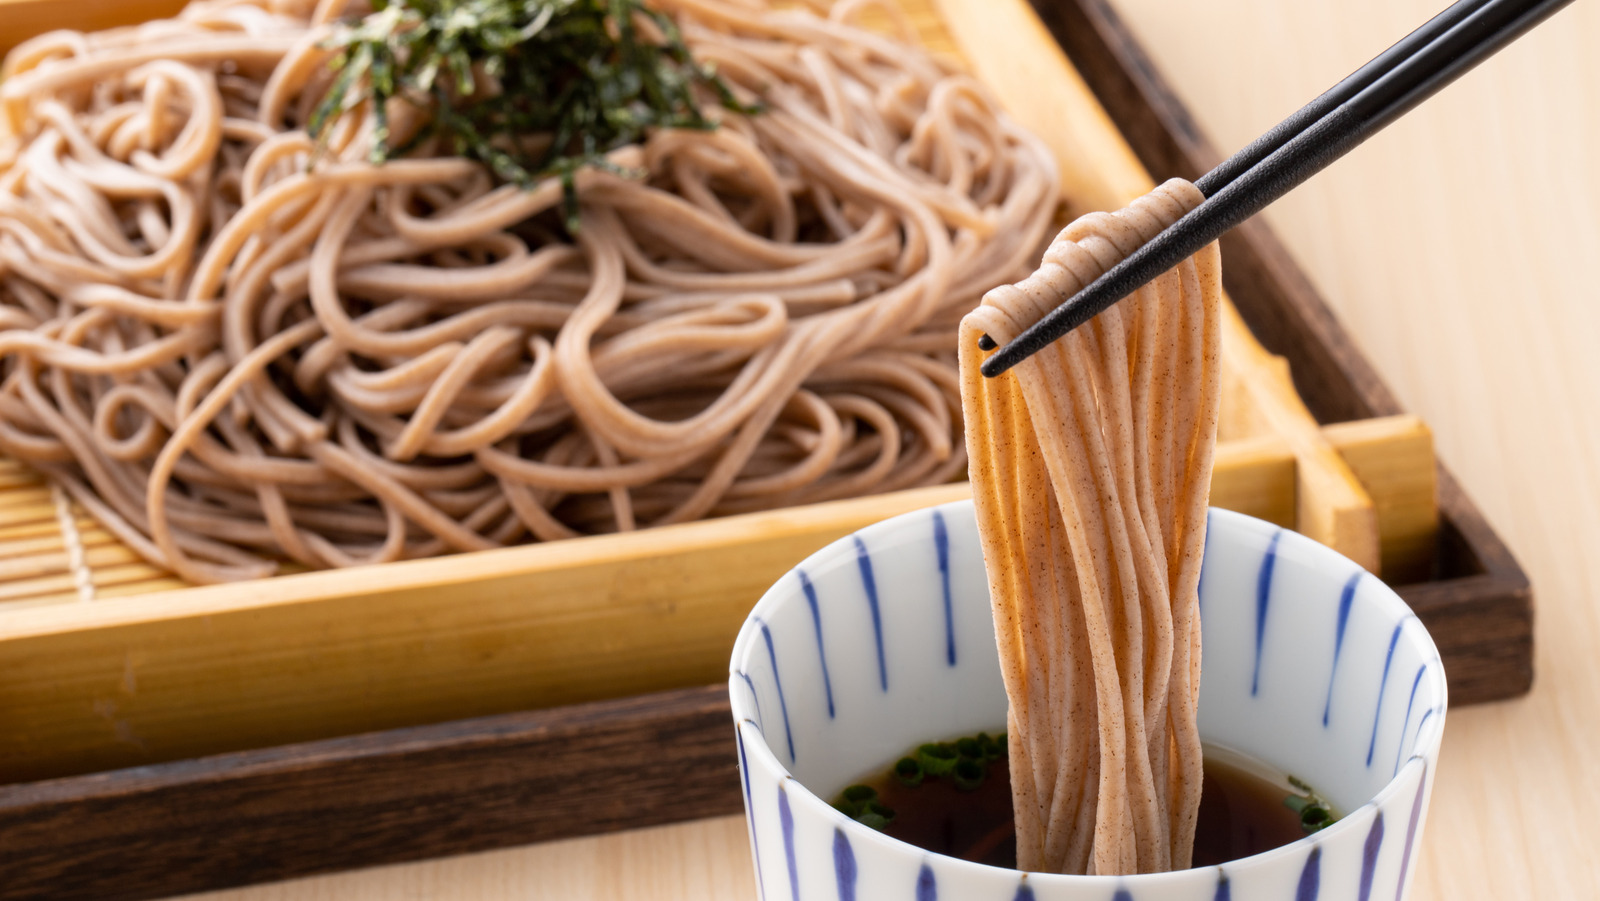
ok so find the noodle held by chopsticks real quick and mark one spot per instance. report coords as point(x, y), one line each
point(235, 346)
point(1091, 468)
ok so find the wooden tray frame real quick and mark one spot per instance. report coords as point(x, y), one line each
point(479, 783)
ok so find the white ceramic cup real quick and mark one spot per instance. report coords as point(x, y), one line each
point(884, 640)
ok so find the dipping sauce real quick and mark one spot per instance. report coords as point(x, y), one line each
point(1246, 807)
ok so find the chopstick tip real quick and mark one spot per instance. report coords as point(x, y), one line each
point(1002, 360)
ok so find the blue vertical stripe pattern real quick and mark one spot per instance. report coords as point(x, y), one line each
point(941, 546)
point(1224, 892)
point(744, 765)
point(1377, 710)
point(816, 620)
point(1400, 745)
point(786, 818)
point(1411, 831)
point(1345, 598)
point(761, 721)
point(844, 865)
point(783, 705)
point(750, 810)
point(1310, 876)
point(1122, 895)
point(1420, 723)
point(864, 560)
point(1024, 892)
point(1263, 598)
point(927, 889)
point(1369, 857)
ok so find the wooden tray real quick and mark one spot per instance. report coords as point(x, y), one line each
point(94, 678)
point(89, 690)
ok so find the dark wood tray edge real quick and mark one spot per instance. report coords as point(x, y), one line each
point(477, 784)
point(383, 797)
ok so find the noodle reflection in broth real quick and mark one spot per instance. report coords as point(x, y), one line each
point(1091, 466)
point(234, 349)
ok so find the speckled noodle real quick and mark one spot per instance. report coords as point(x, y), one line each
point(1311, 665)
point(1091, 469)
point(233, 349)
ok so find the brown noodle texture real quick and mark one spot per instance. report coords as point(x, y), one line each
point(1091, 468)
point(233, 348)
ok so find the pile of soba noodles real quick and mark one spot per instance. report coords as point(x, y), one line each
point(236, 345)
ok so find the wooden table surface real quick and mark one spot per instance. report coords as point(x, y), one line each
point(1459, 248)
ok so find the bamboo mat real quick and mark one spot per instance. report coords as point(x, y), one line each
point(52, 551)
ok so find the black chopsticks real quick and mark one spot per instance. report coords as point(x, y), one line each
point(1392, 84)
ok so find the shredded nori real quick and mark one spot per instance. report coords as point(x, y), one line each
point(533, 89)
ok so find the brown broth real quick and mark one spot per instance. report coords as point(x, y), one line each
point(1242, 812)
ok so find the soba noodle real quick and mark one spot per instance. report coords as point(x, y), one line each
point(1091, 467)
point(233, 348)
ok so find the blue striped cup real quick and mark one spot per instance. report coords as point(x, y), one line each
point(884, 640)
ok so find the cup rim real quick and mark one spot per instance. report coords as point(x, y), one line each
point(754, 743)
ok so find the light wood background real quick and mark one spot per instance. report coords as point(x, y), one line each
point(1460, 247)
